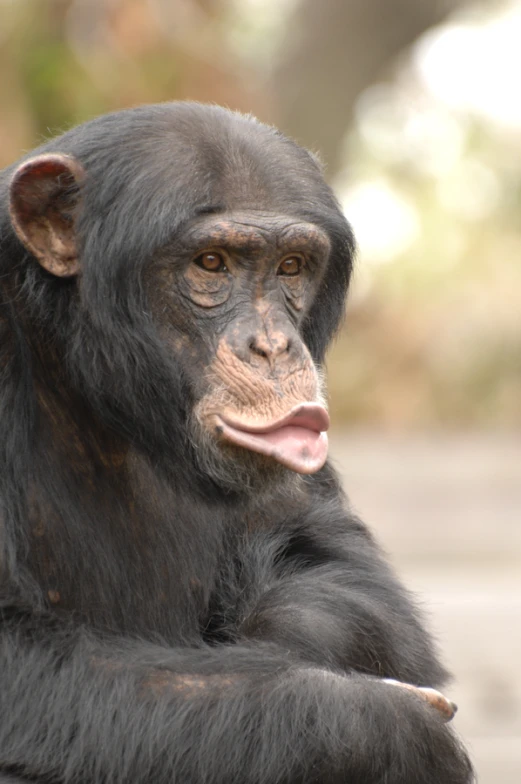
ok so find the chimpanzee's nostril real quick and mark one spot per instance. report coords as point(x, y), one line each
point(256, 349)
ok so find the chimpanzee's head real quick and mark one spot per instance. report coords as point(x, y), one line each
point(193, 267)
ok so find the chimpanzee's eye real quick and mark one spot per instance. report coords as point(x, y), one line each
point(211, 262)
point(291, 266)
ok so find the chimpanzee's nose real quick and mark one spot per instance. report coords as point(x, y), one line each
point(269, 345)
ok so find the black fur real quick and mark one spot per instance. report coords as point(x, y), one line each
point(202, 636)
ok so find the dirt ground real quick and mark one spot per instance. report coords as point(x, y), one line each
point(447, 508)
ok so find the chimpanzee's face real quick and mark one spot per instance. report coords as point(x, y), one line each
point(229, 295)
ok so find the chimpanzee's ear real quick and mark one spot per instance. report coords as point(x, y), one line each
point(44, 196)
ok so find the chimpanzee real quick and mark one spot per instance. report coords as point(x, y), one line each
point(185, 596)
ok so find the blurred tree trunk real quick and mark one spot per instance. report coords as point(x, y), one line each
point(332, 51)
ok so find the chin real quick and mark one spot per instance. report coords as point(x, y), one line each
point(236, 469)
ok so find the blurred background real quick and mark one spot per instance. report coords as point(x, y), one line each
point(415, 108)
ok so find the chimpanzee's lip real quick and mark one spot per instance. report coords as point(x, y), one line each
point(297, 439)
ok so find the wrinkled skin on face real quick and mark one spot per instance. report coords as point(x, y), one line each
point(231, 297)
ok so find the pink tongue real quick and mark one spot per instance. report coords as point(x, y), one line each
point(299, 442)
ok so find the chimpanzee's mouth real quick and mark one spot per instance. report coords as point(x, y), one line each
point(297, 440)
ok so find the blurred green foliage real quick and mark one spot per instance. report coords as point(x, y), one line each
point(433, 336)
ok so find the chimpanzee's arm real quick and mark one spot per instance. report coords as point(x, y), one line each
point(333, 600)
point(77, 708)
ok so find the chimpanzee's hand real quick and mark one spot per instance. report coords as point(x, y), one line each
point(435, 698)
